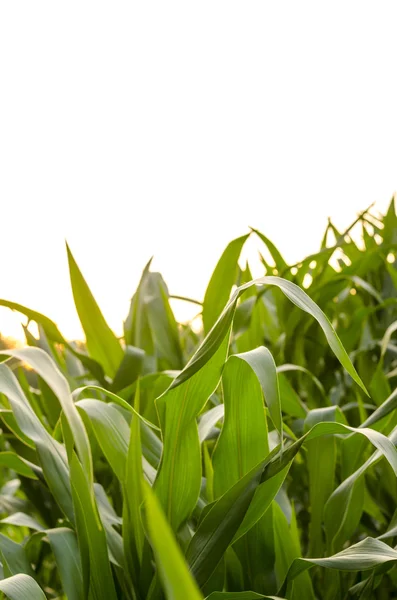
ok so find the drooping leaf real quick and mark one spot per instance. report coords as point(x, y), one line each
point(52, 332)
point(20, 519)
point(298, 297)
point(51, 453)
point(17, 464)
point(21, 587)
point(222, 521)
point(367, 554)
point(47, 369)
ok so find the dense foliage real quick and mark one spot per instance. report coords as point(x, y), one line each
point(251, 457)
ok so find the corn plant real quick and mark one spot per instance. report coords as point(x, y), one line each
point(253, 457)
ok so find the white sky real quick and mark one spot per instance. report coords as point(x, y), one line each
point(166, 128)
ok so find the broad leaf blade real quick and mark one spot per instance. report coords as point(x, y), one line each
point(63, 542)
point(178, 582)
point(367, 554)
point(91, 536)
point(21, 587)
point(297, 297)
point(243, 439)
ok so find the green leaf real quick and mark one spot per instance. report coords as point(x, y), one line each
point(240, 596)
point(63, 542)
point(163, 324)
point(221, 522)
point(137, 330)
point(16, 463)
point(151, 324)
point(243, 439)
point(389, 233)
point(110, 520)
point(291, 404)
point(111, 431)
point(51, 453)
point(221, 282)
point(179, 474)
point(279, 261)
point(178, 481)
point(297, 297)
point(47, 369)
point(367, 554)
point(21, 587)
point(92, 538)
point(118, 400)
point(228, 490)
point(321, 464)
point(130, 368)
point(247, 379)
point(287, 549)
point(208, 420)
point(20, 519)
point(13, 557)
point(52, 332)
point(262, 362)
point(287, 368)
point(102, 344)
point(174, 573)
point(344, 506)
point(133, 533)
point(263, 497)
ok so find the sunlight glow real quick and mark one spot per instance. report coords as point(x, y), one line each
point(133, 136)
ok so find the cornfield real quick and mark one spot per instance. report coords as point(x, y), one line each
point(250, 457)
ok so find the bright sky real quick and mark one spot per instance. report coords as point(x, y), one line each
point(166, 128)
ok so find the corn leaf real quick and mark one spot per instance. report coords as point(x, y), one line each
point(97, 575)
point(21, 587)
point(367, 554)
point(102, 344)
point(221, 282)
point(63, 542)
point(174, 573)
